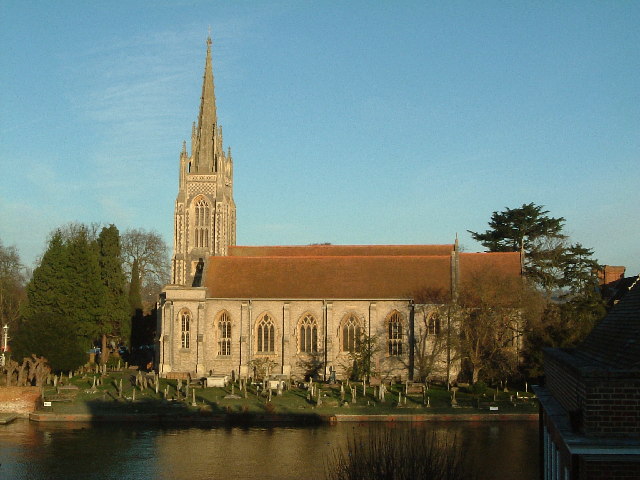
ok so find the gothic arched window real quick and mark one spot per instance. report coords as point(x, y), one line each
point(308, 334)
point(351, 333)
point(433, 327)
point(224, 334)
point(185, 321)
point(394, 333)
point(202, 223)
point(265, 335)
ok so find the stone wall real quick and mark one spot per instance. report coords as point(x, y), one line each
point(21, 400)
point(203, 355)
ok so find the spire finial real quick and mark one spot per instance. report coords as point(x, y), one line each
point(209, 37)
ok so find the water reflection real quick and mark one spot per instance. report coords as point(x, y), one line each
point(40, 451)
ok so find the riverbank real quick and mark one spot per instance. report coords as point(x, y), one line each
point(284, 419)
point(130, 396)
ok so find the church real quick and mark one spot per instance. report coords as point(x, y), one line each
point(304, 310)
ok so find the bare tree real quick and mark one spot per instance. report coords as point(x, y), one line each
point(72, 230)
point(12, 279)
point(490, 321)
point(435, 347)
point(152, 255)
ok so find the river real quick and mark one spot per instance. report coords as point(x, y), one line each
point(498, 450)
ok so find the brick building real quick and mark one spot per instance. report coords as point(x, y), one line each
point(590, 405)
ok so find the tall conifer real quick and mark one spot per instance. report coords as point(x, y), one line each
point(115, 319)
point(66, 285)
point(83, 274)
point(47, 290)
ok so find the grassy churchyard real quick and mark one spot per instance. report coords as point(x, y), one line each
point(128, 391)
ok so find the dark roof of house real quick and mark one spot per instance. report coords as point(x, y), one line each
point(615, 341)
point(330, 271)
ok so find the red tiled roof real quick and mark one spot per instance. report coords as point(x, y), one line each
point(374, 276)
point(339, 250)
point(503, 263)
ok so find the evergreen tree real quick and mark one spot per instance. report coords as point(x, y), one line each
point(538, 237)
point(52, 336)
point(580, 271)
point(518, 229)
point(548, 260)
point(115, 319)
point(67, 284)
point(49, 289)
point(83, 274)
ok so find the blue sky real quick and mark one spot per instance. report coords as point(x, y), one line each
point(349, 122)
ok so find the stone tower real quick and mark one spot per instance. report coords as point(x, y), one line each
point(205, 213)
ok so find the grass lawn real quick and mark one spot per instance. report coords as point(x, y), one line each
point(77, 395)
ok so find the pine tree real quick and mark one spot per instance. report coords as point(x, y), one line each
point(518, 229)
point(548, 260)
point(83, 273)
point(63, 288)
point(115, 319)
point(47, 288)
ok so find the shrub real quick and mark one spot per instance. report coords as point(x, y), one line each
point(406, 454)
point(479, 388)
point(51, 336)
point(112, 362)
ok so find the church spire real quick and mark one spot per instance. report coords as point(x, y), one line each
point(204, 151)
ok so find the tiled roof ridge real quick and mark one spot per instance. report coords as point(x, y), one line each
point(635, 282)
point(489, 253)
point(372, 257)
point(349, 245)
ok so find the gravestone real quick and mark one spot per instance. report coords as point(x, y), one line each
point(219, 380)
point(454, 402)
